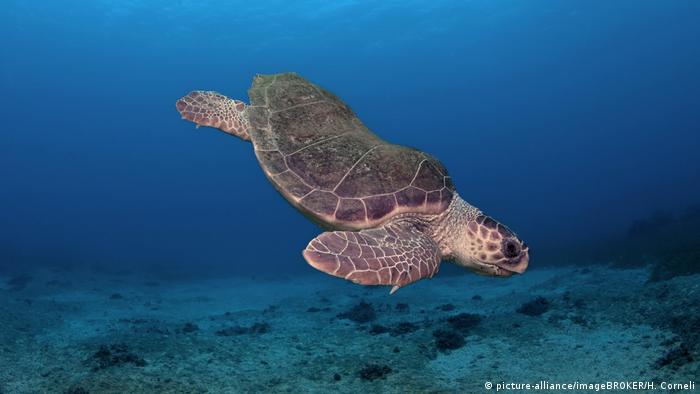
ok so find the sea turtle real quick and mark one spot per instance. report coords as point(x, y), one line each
point(391, 212)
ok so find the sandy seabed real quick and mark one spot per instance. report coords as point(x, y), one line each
point(68, 332)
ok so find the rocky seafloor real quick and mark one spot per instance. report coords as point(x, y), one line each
point(65, 332)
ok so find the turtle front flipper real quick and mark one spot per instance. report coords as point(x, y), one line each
point(395, 254)
point(215, 110)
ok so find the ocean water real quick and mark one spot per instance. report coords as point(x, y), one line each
point(140, 254)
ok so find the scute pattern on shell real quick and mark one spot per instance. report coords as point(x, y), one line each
point(321, 157)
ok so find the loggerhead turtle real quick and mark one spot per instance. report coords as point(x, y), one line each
point(391, 212)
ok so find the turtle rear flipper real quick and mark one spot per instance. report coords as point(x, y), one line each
point(215, 110)
point(395, 254)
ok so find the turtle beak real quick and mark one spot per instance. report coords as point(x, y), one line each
point(516, 265)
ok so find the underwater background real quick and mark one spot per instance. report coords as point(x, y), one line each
point(138, 254)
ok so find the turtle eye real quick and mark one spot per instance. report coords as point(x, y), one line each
point(511, 249)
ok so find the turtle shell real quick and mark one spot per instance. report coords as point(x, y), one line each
point(325, 162)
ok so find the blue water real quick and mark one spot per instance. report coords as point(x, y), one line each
point(565, 120)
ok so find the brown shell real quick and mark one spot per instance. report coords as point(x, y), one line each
point(321, 158)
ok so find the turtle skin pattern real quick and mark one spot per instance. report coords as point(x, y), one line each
point(395, 254)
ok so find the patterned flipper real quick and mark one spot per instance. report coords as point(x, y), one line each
point(395, 254)
point(215, 110)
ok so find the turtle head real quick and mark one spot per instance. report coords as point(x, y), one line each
point(485, 246)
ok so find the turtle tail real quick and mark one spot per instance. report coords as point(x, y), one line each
point(212, 109)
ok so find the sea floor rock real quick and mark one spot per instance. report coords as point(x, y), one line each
point(361, 313)
point(374, 371)
point(114, 355)
point(535, 307)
